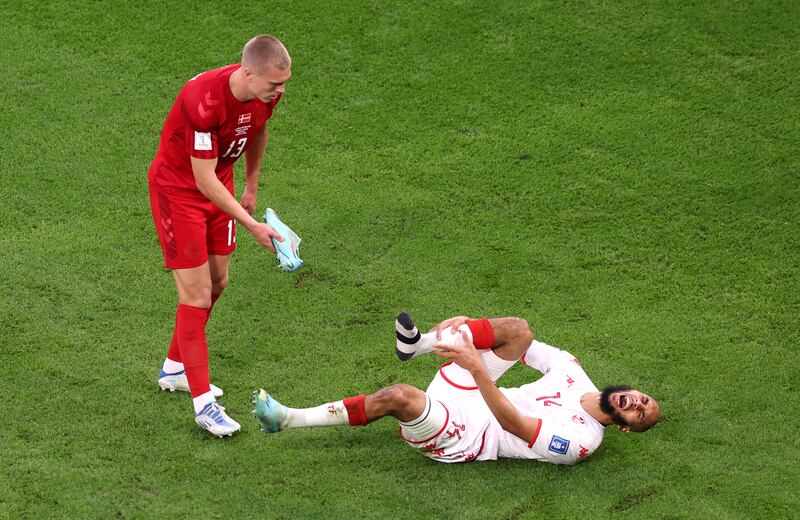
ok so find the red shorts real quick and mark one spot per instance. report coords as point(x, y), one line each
point(190, 227)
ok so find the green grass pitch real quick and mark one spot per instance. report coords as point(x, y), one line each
point(624, 175)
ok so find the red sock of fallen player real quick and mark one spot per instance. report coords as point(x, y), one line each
point(356, 410)
point(482, 333)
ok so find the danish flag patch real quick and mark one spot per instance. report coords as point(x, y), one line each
point(244, 118)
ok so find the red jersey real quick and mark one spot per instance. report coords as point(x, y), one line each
point(207, 122)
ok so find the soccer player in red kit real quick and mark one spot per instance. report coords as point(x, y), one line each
point(218, 116)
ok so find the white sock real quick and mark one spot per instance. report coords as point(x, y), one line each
point(202, 400)
point(170, 367)
point(495, 365)
point(426, 342)
point(329, 414)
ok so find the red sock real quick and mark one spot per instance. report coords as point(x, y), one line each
point(214, 298)
point(482, 333)
point(191, 332)
point(356, 410)
point(174, 353)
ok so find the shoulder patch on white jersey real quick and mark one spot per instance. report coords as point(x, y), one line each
point(202, 141)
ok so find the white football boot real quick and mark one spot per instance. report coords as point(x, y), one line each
point(214, 419)
point(178, 381)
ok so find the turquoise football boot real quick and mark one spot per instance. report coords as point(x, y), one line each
point(289, 249)
point(269, 412)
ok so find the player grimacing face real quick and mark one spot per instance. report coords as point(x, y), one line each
point(267, 84)
point(630, 409)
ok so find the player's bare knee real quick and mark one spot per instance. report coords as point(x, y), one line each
point(199, 297)
point(219, 285)
point(517, 337)
point(522, 331)
point(404, 402)
point(399, 397)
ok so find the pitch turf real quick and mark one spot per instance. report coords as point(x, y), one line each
point(622, 174)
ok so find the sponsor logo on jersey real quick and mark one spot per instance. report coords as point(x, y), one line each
point(202, 141)
point(241, 130)
point(244, 118)
point(570, 381)
point(584, 452)
point(558, 445)
point(578, 419)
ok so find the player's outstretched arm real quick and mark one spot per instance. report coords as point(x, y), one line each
point(526, 428)
point(210, 186)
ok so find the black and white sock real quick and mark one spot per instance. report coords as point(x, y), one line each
point(410, 342)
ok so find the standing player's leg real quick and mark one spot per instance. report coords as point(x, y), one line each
point(403, 402)
point(173, 375)
point(181, 225)
point(218, 267)
point(194, 302)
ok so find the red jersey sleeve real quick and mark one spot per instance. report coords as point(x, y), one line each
point(203, 111)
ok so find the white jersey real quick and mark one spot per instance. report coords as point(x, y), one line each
point(466, 429)
point(567, 433)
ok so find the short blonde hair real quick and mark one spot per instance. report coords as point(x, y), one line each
point(264, 51)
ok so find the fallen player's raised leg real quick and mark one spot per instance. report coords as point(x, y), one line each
point(509, 338)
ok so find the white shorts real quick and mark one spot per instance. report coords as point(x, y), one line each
point(457, 421)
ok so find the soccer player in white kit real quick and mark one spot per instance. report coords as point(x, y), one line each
point(463, 416)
